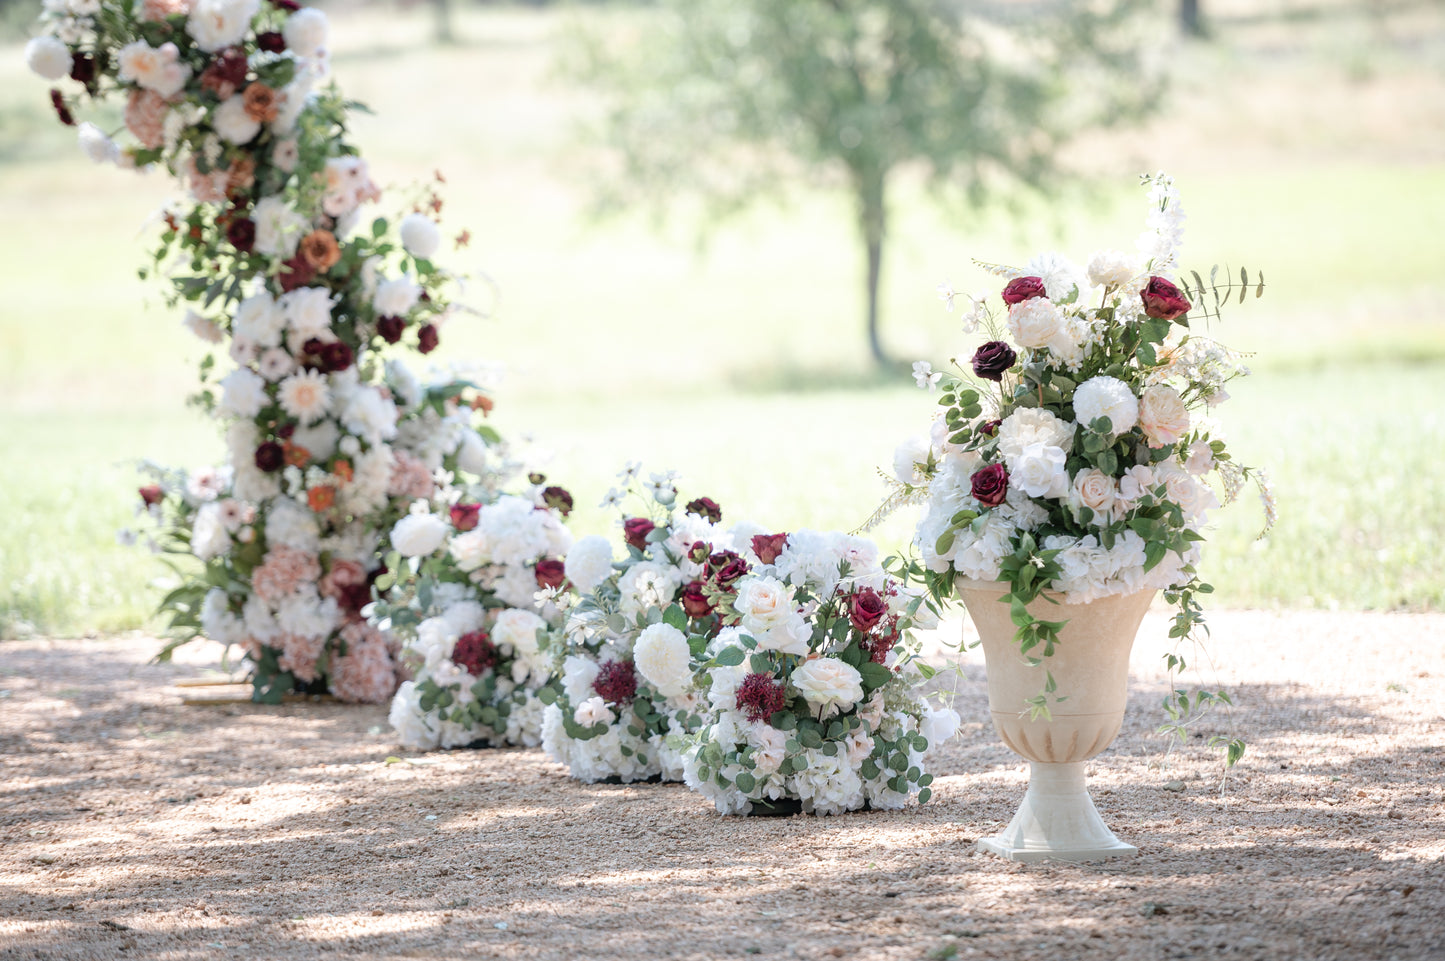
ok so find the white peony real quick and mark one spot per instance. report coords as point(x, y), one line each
point(1105, 396)
point(1032, 425)
point(308, 311)
point(217, 24)
point(232, 123)
point(1034, 322)
point(155, 68)
point(1162, 415)
point(208, 535)
point(578, 675)
point(396, 297)
point(305, 395)
point(1112, 269)
point(1039, 471)
point(664, 658)
point(48, 57)
point(829, 684)
point(96, 145)
point(417, 535)
point(243, 393)
point(278, 227)
point(420, 236)
point(307, 32)
point(938, 725)
point(592, 711)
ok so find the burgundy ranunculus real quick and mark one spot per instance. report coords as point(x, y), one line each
point(336, 357)
point(551, 573)
point(866, 608)
point(152, 494)
point(699, 552)
point(271, 41)
point(427, 339)
point(1163, 300)
point(241, 232)
point(635, 530)
point(694, 600)
point(989, 486)
point(992, 359)
point(1023, 288)
point(290, 6)
point(706, 507)
point(989, 427)
point(390, 328)
point(616, 682)
point(475, 652)
point(298, 272)
point(286, 429)
point(82, 68)
point(761, 697)
point(270, 457)
point(558, 499)
point(464, 516)
point(726, 567)
point(769, 547)
point(57, 100)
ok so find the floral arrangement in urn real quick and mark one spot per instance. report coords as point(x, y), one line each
point(478, 619)
point(298, 294)
point(1073, 455)
point(608, 720)
point(809, 693)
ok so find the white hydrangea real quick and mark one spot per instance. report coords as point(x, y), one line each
point(419, 534)
point(420, 236)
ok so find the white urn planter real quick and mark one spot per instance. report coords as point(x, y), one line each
point(1090, 666)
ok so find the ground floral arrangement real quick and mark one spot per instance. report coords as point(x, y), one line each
point(1072, 456)
point(303, 295)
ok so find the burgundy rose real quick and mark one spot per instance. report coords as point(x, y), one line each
point(57, 100)
point(241, 232)
point(270, 41)
point(82, 68)
point(989, 427)
point(290, 6)
point(616, 683)
point(866, 608)
point(1163, 300)
point(992, 359)
point(335, 357)
point(1023, 288)
point(635, 530)
point(354, 597)
point(286, 430)
point(152, 494)
point(694, 600)
point(427, 339)
point(769, 547)
point(296, 272)
point(551, 573)
point(464, 516)
point(270, 457)
point(476, 653)
point(726, 567)
point(989, 486)
point(760, 696)
point(706, 507)
point(390, 328)
point(558, 499)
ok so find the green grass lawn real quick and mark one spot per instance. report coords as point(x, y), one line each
point(744, 366)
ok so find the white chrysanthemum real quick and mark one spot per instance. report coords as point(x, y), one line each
point(217, 24)
point(829, 684)
point(516, 530)
point(420, 236)
point(1163, 415)
point(1105, 396)
point(96, 145)
point(305, 395)
point(1034, 322)
point(396, 297)
point(48, 57)
point(232, 123)
point(243, 393)
point(307, 32)
point(278, 227)
point(1113, 269)
point(1039, 471)
point(1060, 275)
point(663, 657)
point(417, 535)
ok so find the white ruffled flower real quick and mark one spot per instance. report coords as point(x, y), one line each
point(417, 535)
point(370, 416)
point(518, 629)
point(420, 236)
point(48, 57)
point(217, 24)
point(232, 123)
point(1112, 269)
point(1032, 425)
point(1039, 471)
point(1060, 275)
point(307, 32)
point(829, 684)
point(155, 68)
point(259, 320)
point(938, 725)
point(1105, 396)
point(592, 711)
point(1034, 322)
point(305, 395)
point(320, 439)
point(291, 525)
point(243, 393)
point(96, 145)
point(308, 311)
point(770, 748)
point(217, 621)
point(646, 585)
point(1163, 415)
point(469, 549)
point(664, 658)
point(396, 297)
point(907, 459)
point(278, 227)
point(274, 364)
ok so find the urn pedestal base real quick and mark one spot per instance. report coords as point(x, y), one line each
point(1057, 821)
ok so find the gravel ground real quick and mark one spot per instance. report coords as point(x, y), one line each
point(136, 827)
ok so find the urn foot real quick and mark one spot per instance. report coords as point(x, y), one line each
point(1057, 821)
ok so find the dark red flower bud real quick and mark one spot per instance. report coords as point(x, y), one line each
point(635, 531)
point(464, 516)
point(270, 41)
point(694, 600)
point(270, 457)
point(296, 272)
point(551, 573)
point(427, 339)
point(1023, 288)
point(335, 357)
point(726, 567)
point(989, 427)
point(476, 653)
point(390, 328)
point(558, 499)
point(241, 232)
point(82, 68)
point(989, 486)
point(290, 6)
point(769, 547)
point(57, 100)
point(707, 508)
point(1163, 300)
point(152, 494)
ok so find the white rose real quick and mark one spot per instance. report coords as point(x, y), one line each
point(417, 535)
point(938, 725)
point(216, 24)
point(306, 32)
point(589, 563)
point(1105, 396)
point(518, 629)
point(1162, 415)
point(1095, 490)
point(592, 711)
point(1034, 322)
point(828, 684)
point(48, 57)
point(278, 227)
point(96, 145)
point(1201, 457)
point(396, 297)
point(233, 123)
point(1039, 472)
point(763, 602)
point(664, 658)
point(420, 236)
point(470, 549)
point(578, 675)
point(789, 636)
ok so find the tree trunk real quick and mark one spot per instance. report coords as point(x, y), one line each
point(444, 34)
point(873, 213)
point(1189, 18)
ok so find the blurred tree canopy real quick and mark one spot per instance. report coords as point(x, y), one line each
point(731, 101)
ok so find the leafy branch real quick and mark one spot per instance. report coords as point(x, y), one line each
point(1201, 293)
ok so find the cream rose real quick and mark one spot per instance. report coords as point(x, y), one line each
point(1162, 415)
point(1034, 322)
point(829, 684)
point(763, 603)
point(1095, 490)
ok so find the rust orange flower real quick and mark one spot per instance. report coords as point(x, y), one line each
point(483, 403)
point(321, 498)
point(320, 250)
point(261, 102)
point(343, 470)
point(296, 455)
